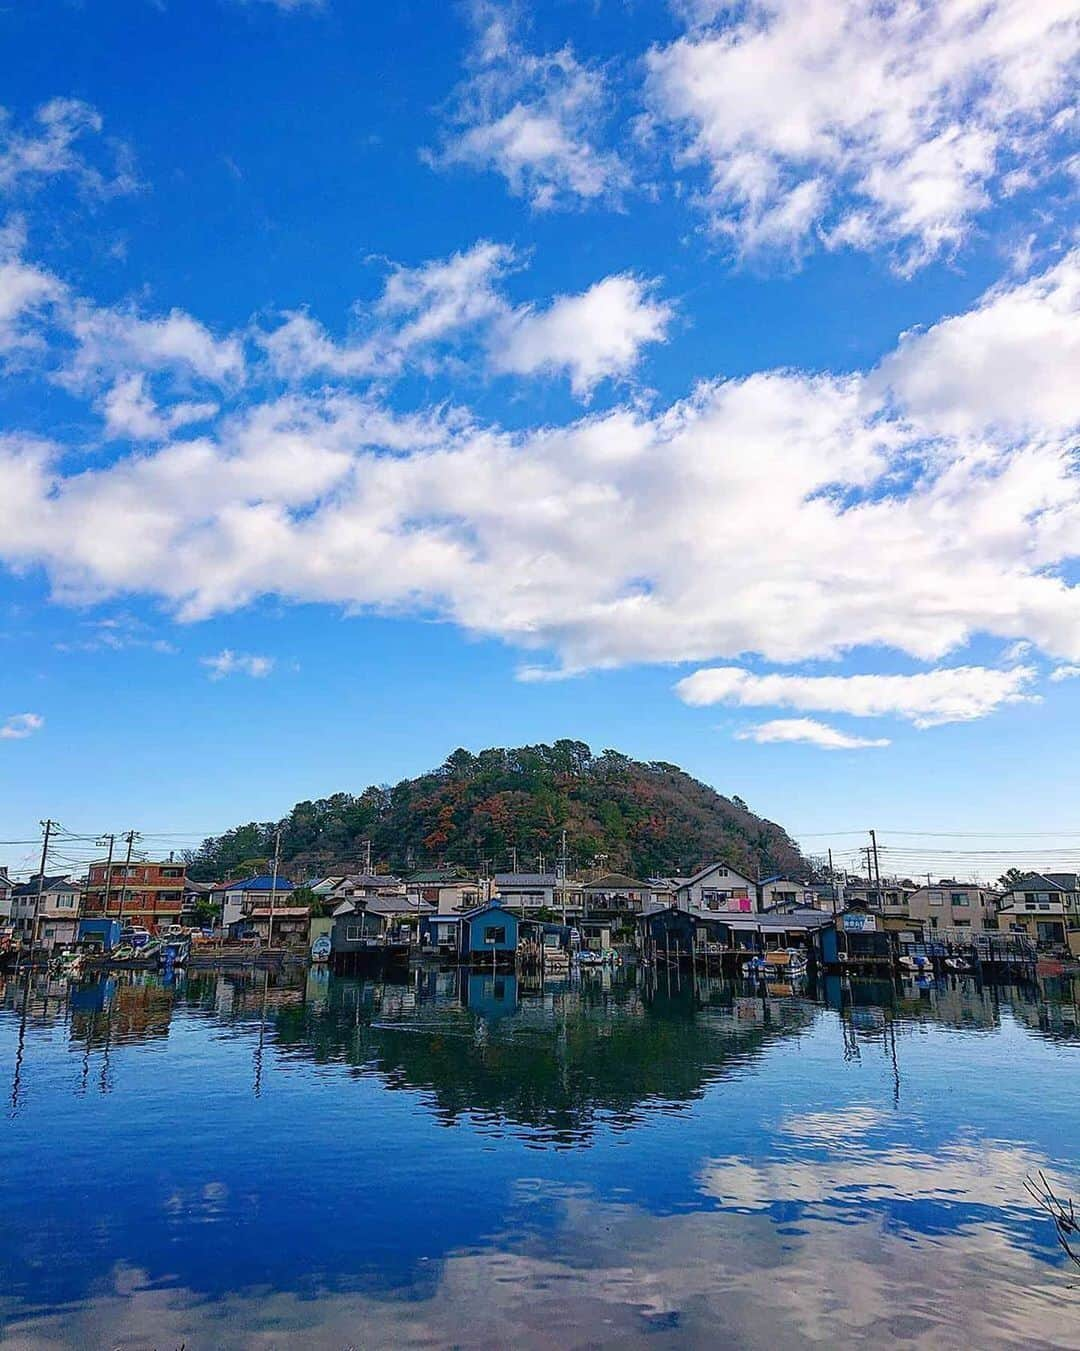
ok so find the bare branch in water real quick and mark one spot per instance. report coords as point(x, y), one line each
point(1062, 1213)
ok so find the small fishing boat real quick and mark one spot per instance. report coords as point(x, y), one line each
point(781, 964)
point(174, 952)
point(915, 965)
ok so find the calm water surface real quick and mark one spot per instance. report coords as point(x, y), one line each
point(244, 1162)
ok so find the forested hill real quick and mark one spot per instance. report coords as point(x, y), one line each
point(619, 814)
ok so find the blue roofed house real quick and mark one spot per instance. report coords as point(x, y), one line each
point(493, 932)
point(241, 898)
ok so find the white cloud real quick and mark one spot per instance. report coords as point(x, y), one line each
point(784, 514)
point(595, 335)
point(421, 306)
point(928, 699)
point(131, 412)
point(808, 732)
point(459, 300)
point(446, 295)
point(52, 146)
point(228, 663)
point(24, 291)
point(872, 124)
point(1012, 362)
point(1061, 673)
point(21, 725)
point(112, 340)
point(535, 119)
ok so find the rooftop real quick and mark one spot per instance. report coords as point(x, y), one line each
point(616, 882)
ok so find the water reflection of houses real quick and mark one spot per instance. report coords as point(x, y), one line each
point(563, 1059)
point(108, 1011)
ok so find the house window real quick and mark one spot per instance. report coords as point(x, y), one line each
point(354, 933)
point(495, 933)
point(936, 898)
point(963, 924)
point(960, 899)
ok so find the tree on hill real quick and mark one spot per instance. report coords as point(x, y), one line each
point(478, 810)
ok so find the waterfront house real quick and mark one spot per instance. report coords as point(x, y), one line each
point(615, 896)
point(356, 927)
point(6, 886)
point(449, 890)
point(492, 933)
point(378, 917)
point(289, 925)
point(680, 933)
point(1047, 898)
point(889, 897)
point(442, 932)
point(46, 916)
point(950, 905)
point(1041, 906)
point(662, 892)
point(527, 893)
point(240, 898)
point(144, 893)
point(774, 892)
point(716, 887)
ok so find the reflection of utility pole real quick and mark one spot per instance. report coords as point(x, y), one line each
point(20, 1050)
point(262, 1033)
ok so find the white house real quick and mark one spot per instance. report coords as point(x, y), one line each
point(55, 906)
point(717, 887)
point(525, 892)
point(6, 886)
point(240, 898)
point(788, 891)
point(447, 889)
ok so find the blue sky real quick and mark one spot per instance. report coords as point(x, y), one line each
point(697, 380)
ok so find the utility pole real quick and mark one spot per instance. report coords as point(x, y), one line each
point(832, 884)
point(130, 837)
point(47, 826)
point(367, 858)
point(513, 859)
point(877, 868)
point(560, 874)
point(108, 873)
point(273, 886)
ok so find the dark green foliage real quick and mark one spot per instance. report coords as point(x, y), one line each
point(618, 813)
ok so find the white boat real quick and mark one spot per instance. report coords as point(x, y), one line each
point(780, 964)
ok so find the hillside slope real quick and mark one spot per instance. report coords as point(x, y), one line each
point(475, 810)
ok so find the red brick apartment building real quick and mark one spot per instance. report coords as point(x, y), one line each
point(150, 894)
